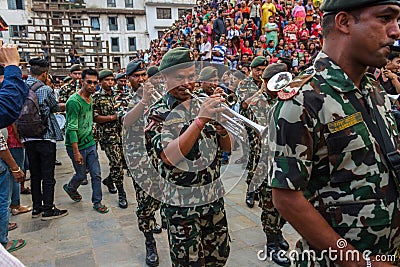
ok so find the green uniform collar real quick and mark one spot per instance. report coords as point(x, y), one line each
point(334, 75)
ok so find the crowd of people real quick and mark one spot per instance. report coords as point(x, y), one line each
point(320, 131)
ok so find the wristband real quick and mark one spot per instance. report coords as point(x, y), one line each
point(17, 171)
point(199, 123)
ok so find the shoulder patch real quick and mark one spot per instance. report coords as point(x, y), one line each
point(294, 86)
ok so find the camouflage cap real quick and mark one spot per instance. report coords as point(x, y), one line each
point(135, 66)
point(153, 70)
point(176, 56)
point(332, 6)
point(259, 61)
point(208, 73)
point(67, 79)
point(105, 73)
point(75, 67)
point(273, 69)
point(120, 76)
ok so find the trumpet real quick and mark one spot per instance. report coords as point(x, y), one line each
point(234, 122)
point(230, 99)
point(156, 95)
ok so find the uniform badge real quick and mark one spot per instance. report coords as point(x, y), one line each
point(346, 122)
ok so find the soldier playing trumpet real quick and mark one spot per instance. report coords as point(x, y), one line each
point(135, 152)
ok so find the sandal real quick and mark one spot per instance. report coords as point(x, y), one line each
point(26, 191)
point(74, 195)
point(12, 226)
point(100, 208)
point(15, 245)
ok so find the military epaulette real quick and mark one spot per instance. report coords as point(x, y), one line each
point(174, 121)
point(295, 85)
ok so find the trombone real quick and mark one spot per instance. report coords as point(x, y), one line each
point(234, 122)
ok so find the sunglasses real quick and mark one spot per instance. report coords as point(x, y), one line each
point(92, 82)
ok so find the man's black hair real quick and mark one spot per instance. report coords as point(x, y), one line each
point(38, 66)
point(89, 71)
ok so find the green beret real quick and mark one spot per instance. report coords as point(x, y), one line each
point(105, 73)
point(333, 6)
point(208, 73)
point(67, 79)
point(153, 70)
point(176, 56)
point(273, 69)
point(135, 66)
point(75, 67)
point(120, 76)
point(259, 61)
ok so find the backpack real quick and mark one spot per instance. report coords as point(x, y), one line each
point(31, 123)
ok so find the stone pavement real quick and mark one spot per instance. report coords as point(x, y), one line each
point(86, 238)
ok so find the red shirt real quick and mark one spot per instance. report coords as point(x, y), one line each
point(12, 141)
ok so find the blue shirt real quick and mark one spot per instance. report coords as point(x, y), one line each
point(13, 93)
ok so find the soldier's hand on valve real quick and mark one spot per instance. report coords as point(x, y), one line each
point(148, 91)
point(210, 107)
point(219, 90)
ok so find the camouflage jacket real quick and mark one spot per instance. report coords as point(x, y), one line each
point(195, 180)
point(259, 108)
point(104, 105)
point(247, 88)
point(67, 90)
point(122, 100)
point(320, 144)
point(134, 141)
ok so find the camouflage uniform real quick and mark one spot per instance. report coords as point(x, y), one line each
point(318, 145)
point(122, 100)
point(141, 170)
point(67, 90)
point(246, 90)
point(198, 235)
point(109, 133)
point(271, 220)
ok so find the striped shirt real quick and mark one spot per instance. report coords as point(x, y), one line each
point(219, 59)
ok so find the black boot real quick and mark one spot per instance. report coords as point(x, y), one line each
point(273, 251)
point(122, 203)
point(157, 229)
point(249, 198)
point(151, 253)
point(283, 244)
point(256, 197)
point(110, 185)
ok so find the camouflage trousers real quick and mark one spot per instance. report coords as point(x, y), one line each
point(254, 157)
point(198, 241)
point(271, 220)
point(115, 157)
point(147, 205)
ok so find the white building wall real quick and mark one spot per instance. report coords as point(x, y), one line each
point(13, 17)
point(153, 24)
point(140, 32)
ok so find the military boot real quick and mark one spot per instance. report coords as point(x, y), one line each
point(151, 253)
point(249, 198)
point(110, 185)
point(283, 244)
point(273, 250)
point(122, 203)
